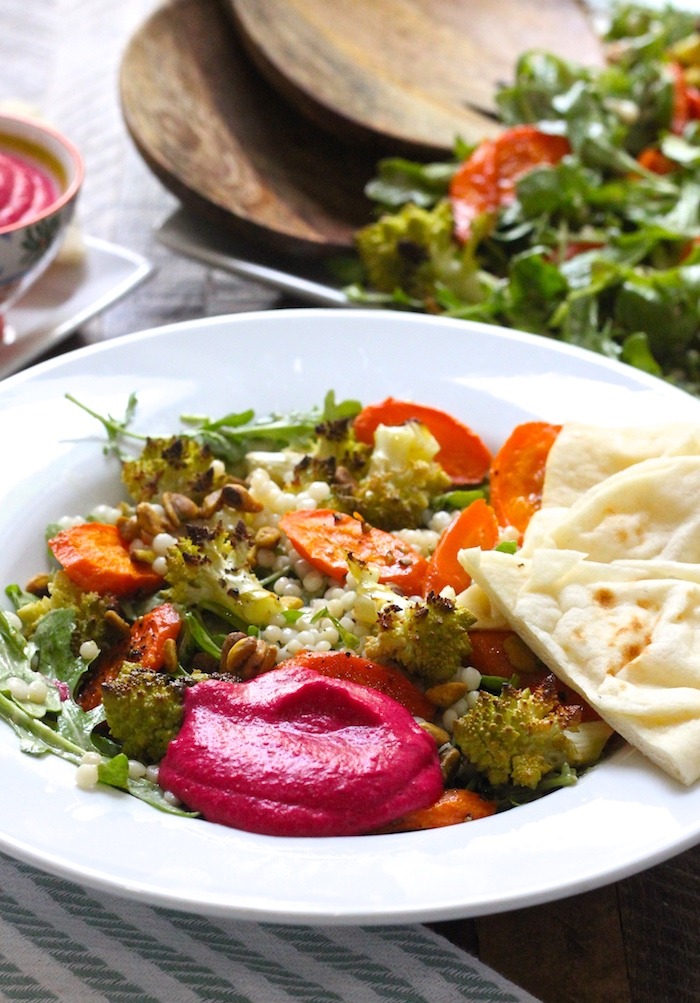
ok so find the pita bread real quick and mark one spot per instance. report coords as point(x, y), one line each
point(584, 455)
point(649, 510)
point(606, 588)
point(625, 635)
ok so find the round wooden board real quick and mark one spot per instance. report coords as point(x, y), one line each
point(219, 138)
point(407, 75)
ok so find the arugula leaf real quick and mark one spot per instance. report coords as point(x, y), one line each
point(399, 181)
point(15, 665)
point(347, 638)
point(115, 773)
point(117, 429)
point(234, 435)
point(54, 655)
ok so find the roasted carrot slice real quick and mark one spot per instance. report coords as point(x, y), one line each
point(475, 526)
point(463, 455)
point(150, 634)
point(489, 652)
point(389, 681)
point(517, 473)
point(326, 538)
point(487, 180)
point(95, 557)
point(452, 808)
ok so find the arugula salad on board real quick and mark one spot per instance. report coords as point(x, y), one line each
point(580, 222)
point(339, 622)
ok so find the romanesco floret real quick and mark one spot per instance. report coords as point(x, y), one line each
point(518, 736)
point(335, 439)
point(390, 484)
point(178, 464)
point(89, 609)
point(428, 638)
point(209, 568)
point(402, 477)
point(336, 458)
point(414, 250)
point(144, 710)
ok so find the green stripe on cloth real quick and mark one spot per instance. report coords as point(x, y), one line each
point(68, 956)
point(437, 954)
point(19, 988)
point(61, 943)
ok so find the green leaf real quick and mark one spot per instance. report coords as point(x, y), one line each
point(117, 429)
point(114, 772)
point(53, 639)
point(636, 352)
point(347, 638)
point(507, 547)
point(339, 410)
point(458, 499)
point(400, 181)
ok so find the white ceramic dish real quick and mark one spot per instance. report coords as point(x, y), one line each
point(623, 816)
point(67, 296)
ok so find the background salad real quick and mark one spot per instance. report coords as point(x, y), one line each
point(580, 222)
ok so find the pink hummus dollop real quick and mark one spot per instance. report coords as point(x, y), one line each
point(25, 189)
point(294, 753)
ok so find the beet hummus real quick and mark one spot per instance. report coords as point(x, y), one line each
point(26, 190)
point(295, 753)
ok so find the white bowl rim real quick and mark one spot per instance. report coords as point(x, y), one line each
point(72, 151)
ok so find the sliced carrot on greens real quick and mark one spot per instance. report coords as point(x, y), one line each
point(517, 473)
point(389, 681)
point(95, 558)
point(488, 178)
point(326, 538)
point(475, 526)
point(463, 455)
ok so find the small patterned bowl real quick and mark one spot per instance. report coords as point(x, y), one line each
point(41, 173)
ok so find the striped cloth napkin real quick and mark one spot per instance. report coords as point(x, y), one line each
point(60, 943)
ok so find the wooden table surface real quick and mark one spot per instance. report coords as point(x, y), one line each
point(637, 940)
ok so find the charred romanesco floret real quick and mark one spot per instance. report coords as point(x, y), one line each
point(209, 568)
point(414, 250)
point(144, 710)
point(179, 464)
point(89, 609)
point(402, 477)
point(518, 736)
point(337, 458)
point(428, 638)
point(336, 440)
point(390, 484)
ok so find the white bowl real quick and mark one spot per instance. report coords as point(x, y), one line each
point(32, 155)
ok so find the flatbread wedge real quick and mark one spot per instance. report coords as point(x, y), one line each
point(584, 455)
point(647, 511)
point(625, 635)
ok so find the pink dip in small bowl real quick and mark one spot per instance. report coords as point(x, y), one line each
point(41, 173)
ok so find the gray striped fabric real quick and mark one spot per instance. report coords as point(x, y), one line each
point(62, 944)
